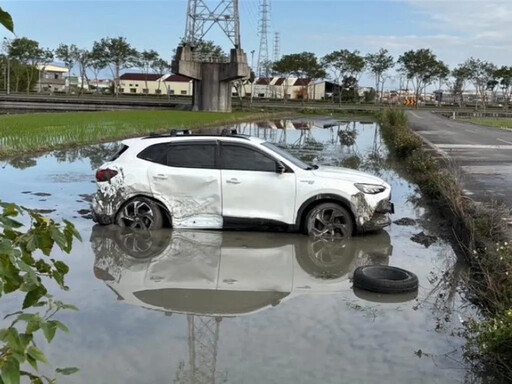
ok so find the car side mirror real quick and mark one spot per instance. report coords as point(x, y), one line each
point(280, 168)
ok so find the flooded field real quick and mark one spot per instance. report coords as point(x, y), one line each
point(240, 307)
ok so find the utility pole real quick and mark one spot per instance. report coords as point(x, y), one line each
point(263, 56)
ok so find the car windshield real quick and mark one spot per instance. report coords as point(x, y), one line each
point(289, 157)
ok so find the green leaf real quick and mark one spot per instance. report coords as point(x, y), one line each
point(36, 354)
point(61, 267)
point(49, 328)
point(32, 362)
point(61, 326)
point(6, 20)
point(67, 371)
point(11, 372)
point(33, 296)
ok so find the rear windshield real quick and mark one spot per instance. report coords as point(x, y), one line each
point(119, 153)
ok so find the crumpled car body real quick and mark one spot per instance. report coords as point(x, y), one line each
point(235, 182)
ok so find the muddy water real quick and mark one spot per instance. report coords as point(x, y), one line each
point(212, 306)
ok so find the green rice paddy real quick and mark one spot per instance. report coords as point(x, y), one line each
point(48, 131)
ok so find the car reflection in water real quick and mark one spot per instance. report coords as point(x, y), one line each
point(214, 273)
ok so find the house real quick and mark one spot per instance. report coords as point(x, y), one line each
point(179, 85)
point(51, 78)
point(140, 83)
point(323, 90)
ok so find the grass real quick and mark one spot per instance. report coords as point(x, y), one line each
point(40, 132)
point(483, 237)
point(502, 123)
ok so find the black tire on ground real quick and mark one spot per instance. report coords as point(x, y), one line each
point(385, 279)
point(140, 213)
point(329, 220)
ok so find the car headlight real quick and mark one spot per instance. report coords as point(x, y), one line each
point(371, 189)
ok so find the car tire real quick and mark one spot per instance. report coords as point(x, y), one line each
point(384, 279)
point(140, 213)
point(329, 220)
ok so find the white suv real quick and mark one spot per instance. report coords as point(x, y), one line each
point(236, 182)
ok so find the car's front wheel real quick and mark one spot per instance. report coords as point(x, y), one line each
point(140, 213)
point(329, 220)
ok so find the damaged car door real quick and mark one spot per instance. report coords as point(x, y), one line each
point(185, 176)
point(255, 187)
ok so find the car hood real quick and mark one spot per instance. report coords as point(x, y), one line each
point(347, 174)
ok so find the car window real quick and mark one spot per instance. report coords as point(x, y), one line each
point(192, 155)
point(155, 153)
point(240, 158)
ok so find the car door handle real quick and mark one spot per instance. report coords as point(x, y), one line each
point(233, 181)
point(160, 177)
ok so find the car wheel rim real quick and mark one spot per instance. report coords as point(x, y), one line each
point(329, 222)
point(136, 215)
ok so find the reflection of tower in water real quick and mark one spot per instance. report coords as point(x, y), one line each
point(203, 339)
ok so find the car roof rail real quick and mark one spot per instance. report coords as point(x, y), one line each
point(229, 132)
point(180, 132)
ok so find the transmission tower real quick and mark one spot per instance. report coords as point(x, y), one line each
point(203, 339)
point(263, 57)
point(201, 18)
point(277, 47)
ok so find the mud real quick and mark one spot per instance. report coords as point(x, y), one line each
point(233, 307)
point(424, 239)
point(405, 221)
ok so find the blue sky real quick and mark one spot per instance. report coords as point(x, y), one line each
point(454, 29)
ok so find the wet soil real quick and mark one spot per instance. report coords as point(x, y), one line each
point(219, 306)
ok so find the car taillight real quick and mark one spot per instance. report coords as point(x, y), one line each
point(105, 174)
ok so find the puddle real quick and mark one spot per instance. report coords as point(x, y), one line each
point(206, 306)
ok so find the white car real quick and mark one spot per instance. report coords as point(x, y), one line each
point(234, 181)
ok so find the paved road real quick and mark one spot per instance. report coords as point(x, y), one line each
point(484, 154)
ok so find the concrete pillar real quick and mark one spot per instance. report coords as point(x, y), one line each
point(212, 80)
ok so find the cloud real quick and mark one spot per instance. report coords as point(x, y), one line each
point(454, 30)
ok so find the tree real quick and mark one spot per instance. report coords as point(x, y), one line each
point(83, 58)
point(67, 54)
point(30, 54)
point(46, 58)
point(504, 75)
point(343, 64)
point(207, 50)
point(378, 64)
point(285, 68)
point(441, 73)
point(481, 73)
point(420, 68)
point(118, 55)
point(97, 61)
point(460, 78)
point(303, 65)
point(146, 62)
point(160, 66)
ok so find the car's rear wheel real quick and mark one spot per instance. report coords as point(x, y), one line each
point(140, 213)
point(329, 220)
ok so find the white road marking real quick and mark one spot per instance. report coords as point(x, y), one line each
point(416, 116)
point(505, 141)
point(473, 146)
